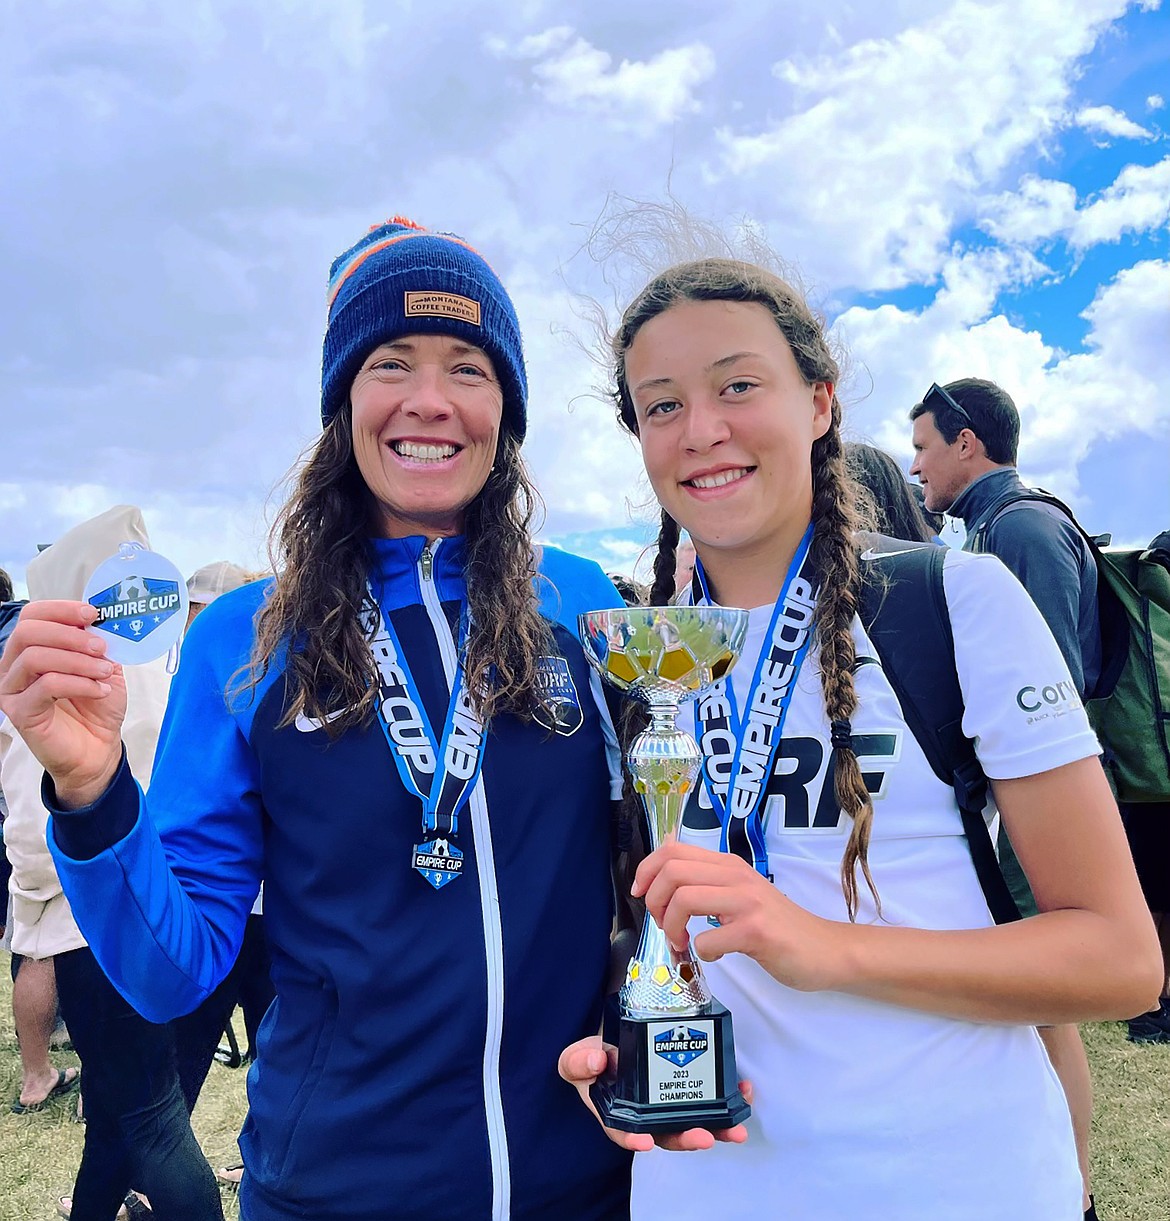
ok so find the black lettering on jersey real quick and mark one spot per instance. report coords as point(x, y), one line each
point(882, 747)
point(797, 763)
point(796, 776)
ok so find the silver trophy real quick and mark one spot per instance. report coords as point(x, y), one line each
point(676, 1059)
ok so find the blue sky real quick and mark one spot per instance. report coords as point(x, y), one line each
point(978, 187)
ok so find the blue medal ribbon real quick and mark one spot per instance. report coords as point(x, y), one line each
point(442, 774)
point(739, 753)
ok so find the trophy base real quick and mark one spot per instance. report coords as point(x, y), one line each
point(673, 1073)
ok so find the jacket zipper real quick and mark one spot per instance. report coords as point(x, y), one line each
point(489, 900)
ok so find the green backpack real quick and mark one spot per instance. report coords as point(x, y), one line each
point(1130, 705)
point(1133, 720)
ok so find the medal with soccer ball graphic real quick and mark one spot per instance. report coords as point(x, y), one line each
point(676, 1060)
point(141, 601)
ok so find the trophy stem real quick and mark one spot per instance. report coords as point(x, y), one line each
point(664, 762)
point(664, 719)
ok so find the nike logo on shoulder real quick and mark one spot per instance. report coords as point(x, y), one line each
point(309, 724)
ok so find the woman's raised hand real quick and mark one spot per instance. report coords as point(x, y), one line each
point(64, 697)
point(679, 881)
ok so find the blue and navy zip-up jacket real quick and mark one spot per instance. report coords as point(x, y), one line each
point(408, 1066)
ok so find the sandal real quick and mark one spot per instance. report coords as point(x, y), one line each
point(134, 1208)
point(65, 1083)
point(230, 1176)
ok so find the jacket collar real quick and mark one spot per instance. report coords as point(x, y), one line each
point(976, 502)
point(396, 568)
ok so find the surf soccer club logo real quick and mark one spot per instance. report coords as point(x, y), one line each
point(136, 606)
point(560, 708)
point(681, 1045)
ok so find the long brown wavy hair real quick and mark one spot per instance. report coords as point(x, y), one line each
point(836, 505)
point(319, 604)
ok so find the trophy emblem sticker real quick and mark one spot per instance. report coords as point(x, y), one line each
point(141, 600)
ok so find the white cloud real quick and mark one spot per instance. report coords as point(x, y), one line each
point(1137, 202)
point(1035, 211)
point(886, 139)
point(1155, 102)
point(638, 94)
point(180, 177)
point(1109, 122)
point(585, 466)
point(1041, 209)
point(1118, 384)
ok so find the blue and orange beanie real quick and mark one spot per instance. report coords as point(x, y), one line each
point(401, 279)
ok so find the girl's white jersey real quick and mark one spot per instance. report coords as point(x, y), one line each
point(866, 1109)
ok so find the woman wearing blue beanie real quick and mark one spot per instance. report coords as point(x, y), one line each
point(400, 737)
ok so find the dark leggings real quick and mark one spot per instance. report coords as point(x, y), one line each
point(137, 1131)
point(248, 984)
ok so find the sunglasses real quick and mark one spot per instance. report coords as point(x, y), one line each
point(942, 399)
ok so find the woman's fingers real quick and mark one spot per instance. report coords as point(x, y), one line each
point(51, 689)
point(581, 1063)
point(732, 1136)
point(35, 661)
point(690, 1141)
point(50, 637)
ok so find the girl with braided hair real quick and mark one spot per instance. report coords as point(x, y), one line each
point(886, 1024)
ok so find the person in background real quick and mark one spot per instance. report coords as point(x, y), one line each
point(895, 511)
point(965, 437)
point(34, 1005)
point(249, 982)
point(137, 1132)
point(1147, 825)
point(9, 608)
point(207, 583)
point(684, 564)
point(399, 735)
point(9, 613)
point(936, 521)
point(632, 592)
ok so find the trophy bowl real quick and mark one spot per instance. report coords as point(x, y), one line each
point(676, 1058)
point(662, 655)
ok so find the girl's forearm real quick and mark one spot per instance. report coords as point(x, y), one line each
point(1057, 967)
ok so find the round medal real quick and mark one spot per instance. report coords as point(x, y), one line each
point(141, 600)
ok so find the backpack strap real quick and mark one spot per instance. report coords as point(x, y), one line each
point(1111, 613)
point(903, 609)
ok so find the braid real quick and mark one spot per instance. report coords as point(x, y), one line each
point(835, 555)
point(662, 591)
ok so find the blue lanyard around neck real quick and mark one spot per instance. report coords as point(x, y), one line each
point(441, 774)
point(737, 779)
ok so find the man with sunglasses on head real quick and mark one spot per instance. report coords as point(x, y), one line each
point(965, 438)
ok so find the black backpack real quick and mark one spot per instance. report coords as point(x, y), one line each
point(903, 609)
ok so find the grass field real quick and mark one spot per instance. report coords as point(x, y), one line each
point(1131, 1147)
